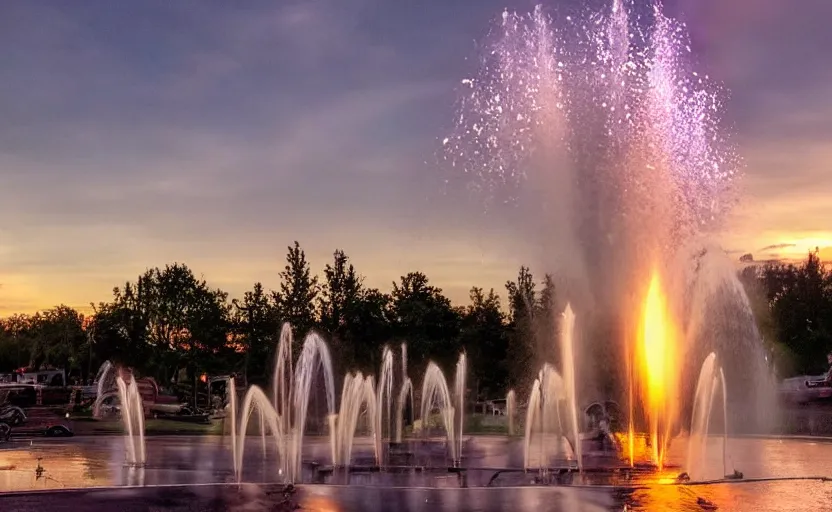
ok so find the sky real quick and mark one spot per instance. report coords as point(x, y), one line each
point(136, 134)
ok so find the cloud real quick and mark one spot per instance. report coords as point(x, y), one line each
point(149, 155)
point(135, 135)
point(776, 247)
point(223, 157)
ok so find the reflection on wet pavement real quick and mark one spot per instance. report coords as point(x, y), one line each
point(98, 462)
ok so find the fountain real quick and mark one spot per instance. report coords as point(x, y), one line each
point(620, 145)
point(405, 394)
point(553, 396)
point(282, 389)
point(568, 358)
point(285, 415)
point(595, 125)
point(384, 395)
point(529, 117)
point(106, 387)
point(358, 392)
point(665, 164)
point(132, 416)
point(511, 409)
point(711, 381)
point(544, 418)
point(314, 356)
point(437, 396)
point(110, 382)
point(460, 380)
point(256, 400)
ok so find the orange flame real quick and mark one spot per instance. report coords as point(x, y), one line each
point(657, 366)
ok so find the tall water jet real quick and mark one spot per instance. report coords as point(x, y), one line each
point(132, 417)
point(544, 418)
point(711, 381)
point(105, 382)
point(231, 391)
point(567, 341)
point(404, 362)
point(282, 386)
point(532, 414)
point(596, 123)
point(256, 400)
point(405, 393)
point(511, 409)
point(459, 394)
point(358, 392)
point(384, 394)
point(284, 416)
point(631, 400)
point(658, 364)
point(314, 357)
point(436, 395)
point(105, 378)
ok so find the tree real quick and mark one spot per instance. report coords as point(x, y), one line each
point(371, 318)
point(546, 315)
point(176, 317)
point(256, 324)
point(61, 339)
point(485, 338)
point(800, 298)
point(520, 354)
point(337, 303)
point(17, 344)
point(298, 290)
point(120, 329)
point(426, 320)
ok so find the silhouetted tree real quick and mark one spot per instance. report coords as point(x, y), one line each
point(256, 326)
point(426, 320)
point(168, 319)
point(371, 319)
point(522, 299)
point(179, 317)
point(547, 313)
point(298, 290)
point(801, 304)
point(338, 301)
point(485, 339)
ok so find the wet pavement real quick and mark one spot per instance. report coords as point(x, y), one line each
point(196, 473)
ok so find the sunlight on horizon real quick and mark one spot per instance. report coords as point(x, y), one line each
point(455, 270)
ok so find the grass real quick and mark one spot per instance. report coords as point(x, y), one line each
point(474, 424)
point(88, 426)
point(84, 424)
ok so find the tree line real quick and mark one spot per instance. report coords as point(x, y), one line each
point(169, 320)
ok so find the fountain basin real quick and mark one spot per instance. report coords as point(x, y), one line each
point(198, 470)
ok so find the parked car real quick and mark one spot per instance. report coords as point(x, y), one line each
point(805, 389)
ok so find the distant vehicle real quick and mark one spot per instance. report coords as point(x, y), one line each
point(805, 389)
point(27, 387)
point(49, 429)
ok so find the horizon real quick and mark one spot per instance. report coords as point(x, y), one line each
point(459, 298)
point(149, 134)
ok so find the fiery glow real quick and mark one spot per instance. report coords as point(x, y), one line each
point(658, 374)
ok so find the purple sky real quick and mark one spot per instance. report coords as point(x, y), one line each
point(136, 134)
